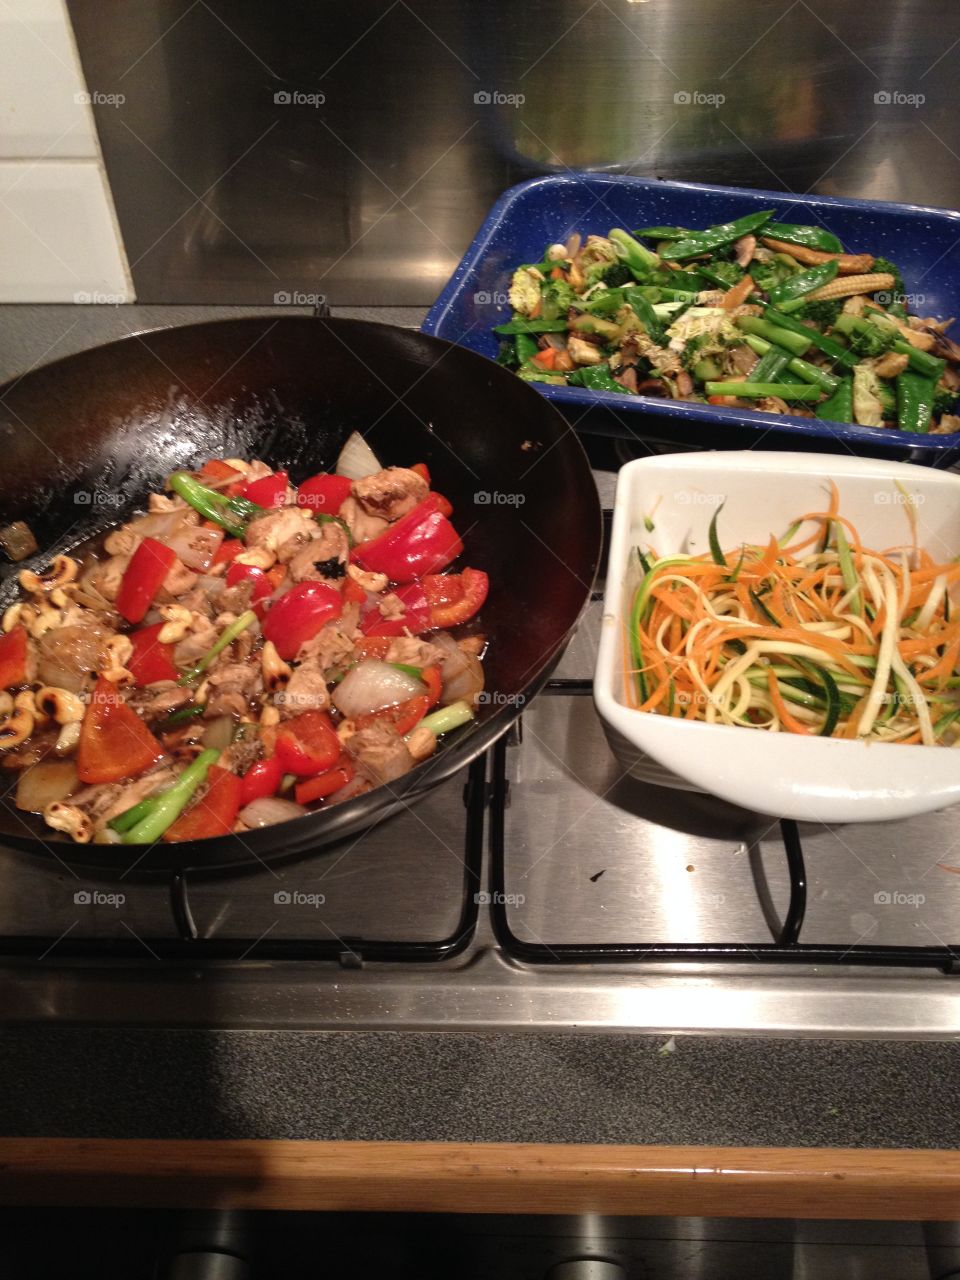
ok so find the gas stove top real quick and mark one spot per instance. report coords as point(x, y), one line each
point(540, 888)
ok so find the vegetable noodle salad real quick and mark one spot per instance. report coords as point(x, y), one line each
point(821, 636)
point(750, 314)
point(246, 649)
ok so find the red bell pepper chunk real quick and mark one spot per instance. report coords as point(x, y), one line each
point(324, 493)
point(308, 744)
point(299, 614)
point(444, 505)
point(151, 660)
point(261, 780)
point(353, 593)
point(228, 549)
point(13, 657)
point(267, 491)
point(423, 541)
point(324, 784)
point(214, 813)
point(250, 573)
point(422, 471)
point(455, 597)
point(114, 742)
point(403, 716)
point(416, 617)
point(432, 678)
point(149, 565)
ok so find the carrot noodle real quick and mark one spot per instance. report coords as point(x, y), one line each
point(822, 636)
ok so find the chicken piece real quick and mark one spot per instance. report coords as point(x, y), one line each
point(178, 582)
point(323, 558)
point(240, 755)
point(474, 645)
point(391, 606)
point(333, 645)
point(158, 698)
point(582, 352)
point(361, 524)
point(283, 532)
point(232, 686)
point(890, 365)
point(106, 578)
point(411, 651)
point(390, 493)
point(379, 753)
point(306, 691)
point(739, 360)
point(202, 636)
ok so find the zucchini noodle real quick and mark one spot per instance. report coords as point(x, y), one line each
point(816, 636)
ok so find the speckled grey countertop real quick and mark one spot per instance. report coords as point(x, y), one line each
point(616, 1088)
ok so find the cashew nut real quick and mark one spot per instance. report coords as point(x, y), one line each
point(276, 672)
point(63, 570)
point(119, 651)
point(259, 557)
point(68, 739)
point(202, 693)
point(68, 818)
point(177, 624)
point(15, 729)
point(422, 743)
point(64, 706)
point(18, 615)
point(45, 619)
point(369, 581)
point(345, 730)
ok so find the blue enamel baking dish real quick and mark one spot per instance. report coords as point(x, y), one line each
point(922, 241)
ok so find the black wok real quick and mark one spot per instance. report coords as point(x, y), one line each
point(84, 439)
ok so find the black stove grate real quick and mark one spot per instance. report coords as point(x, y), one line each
point(786, 948)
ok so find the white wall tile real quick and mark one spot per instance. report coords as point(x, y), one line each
point(58, 241)
point(43, 111)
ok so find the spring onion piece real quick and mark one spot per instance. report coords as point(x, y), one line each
point(795, 343)
point(446, 719)
point(228, 636)
point(182, 716)
point(231, 514)
point(632, 253)
point(713, 539)
point(802, 368)
point(166, 807)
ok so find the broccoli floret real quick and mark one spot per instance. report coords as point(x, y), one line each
point(944, 401)
point(507, 354)
point(617, 275)
point(766, 275)
point(823, 313)
point(726, 273)
point(556, 296)
point(890, 268)
point(873, 340)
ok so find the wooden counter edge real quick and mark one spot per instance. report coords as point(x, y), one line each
point(441, 1177)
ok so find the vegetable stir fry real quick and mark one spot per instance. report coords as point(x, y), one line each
point(750, 314)
point(821, 636)
point(246, 649)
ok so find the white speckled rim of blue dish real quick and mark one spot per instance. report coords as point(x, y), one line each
point(809, 779)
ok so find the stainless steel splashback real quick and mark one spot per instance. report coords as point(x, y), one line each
point(261, 152)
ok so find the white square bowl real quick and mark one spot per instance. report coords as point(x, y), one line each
point(782, 774)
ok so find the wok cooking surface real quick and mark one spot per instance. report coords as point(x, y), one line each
point(86, 438)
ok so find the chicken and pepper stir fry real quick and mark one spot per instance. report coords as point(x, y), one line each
point(749, 314)
point(243, 651)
